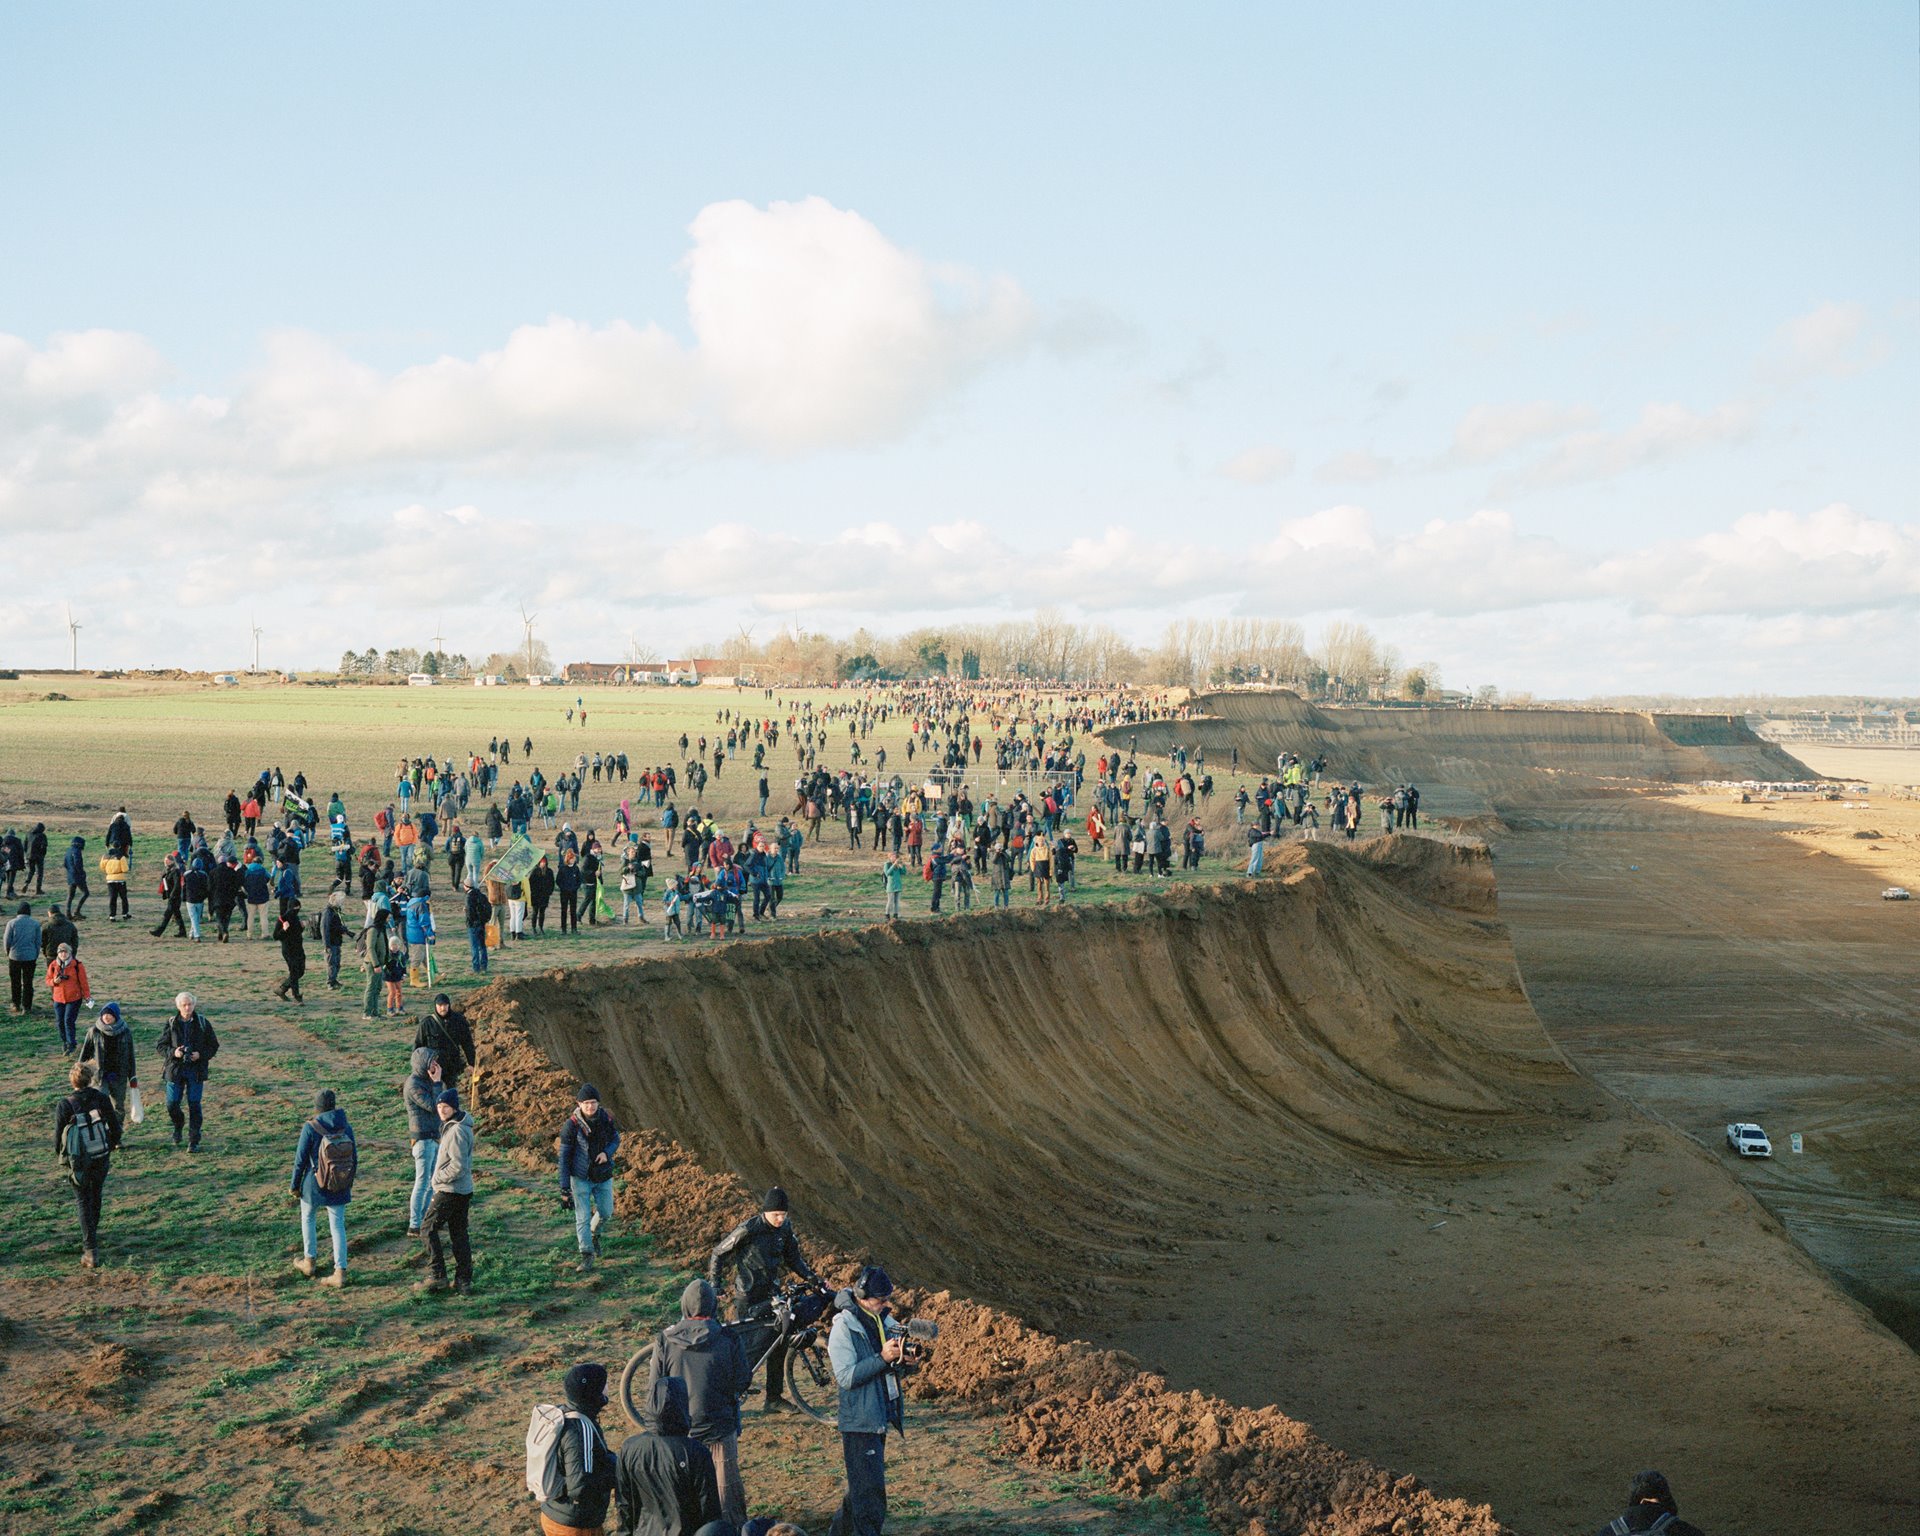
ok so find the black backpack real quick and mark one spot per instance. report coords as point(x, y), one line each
point(1619, 1527)
point(88, 1143)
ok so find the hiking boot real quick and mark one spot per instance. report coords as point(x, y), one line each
point(413, 1232)
point(463, 1287)
point(777, 1405)
point(432, 1283)
point(176, 1135)
point(193, 1146)
point(305, 1266)
point(337, 1279)
point(586, 1263)
point(89, 1259)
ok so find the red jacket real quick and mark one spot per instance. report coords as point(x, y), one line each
point(69, 983)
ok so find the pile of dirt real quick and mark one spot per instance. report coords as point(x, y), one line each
point(1482, 758)
point(1134, 1059)
point(1254, 1470)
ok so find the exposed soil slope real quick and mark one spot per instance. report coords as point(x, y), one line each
point(1300, 1142)
point(1475, 759)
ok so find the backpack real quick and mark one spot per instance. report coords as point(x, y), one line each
point(336, 1162)
point(313, 928)
point(88, 1142)
point(544, 1480)
point(1619, 1527)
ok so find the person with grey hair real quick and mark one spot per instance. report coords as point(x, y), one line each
point(187, 1047)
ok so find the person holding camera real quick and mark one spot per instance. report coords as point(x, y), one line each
point(865, 1349)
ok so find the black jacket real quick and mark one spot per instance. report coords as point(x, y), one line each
point(479, 909)
point(663, 1483)
point(78, 1103)
point(451, 1037)
point(586, 1493)
point(758, 1251)
point(59, 930)
point(713, 1364)
point(191, 1034)
point(1643, 1517)
point(114, 1051)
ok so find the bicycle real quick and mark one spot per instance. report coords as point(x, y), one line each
point(798, 1318)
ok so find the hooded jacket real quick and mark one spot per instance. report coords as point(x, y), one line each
point(710, 1360)
point(76, 863)
point(870, 1401)
point(1650, 1501)
point(110, 1043)
point(120, 835)
point(419, 1093)
point(663, 1483)
point(306, 1154)
point(586, 1473)
point(453, 1173)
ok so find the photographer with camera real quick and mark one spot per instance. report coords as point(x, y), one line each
point(759, 1249)
point(866, 1349)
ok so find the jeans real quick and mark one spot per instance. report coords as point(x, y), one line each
point(637, 900)
point(333, 965)
point(191, 1089)
point(336, 1224)
point(67, 1015)
point(477, 948)
point(1256, 858)
point(448, 1213)
point(864, 1510)
point(426, 1155)
point(196, 914)
point(588, 1199)
point(1002, 896)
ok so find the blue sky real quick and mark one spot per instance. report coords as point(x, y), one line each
point(1572, 349)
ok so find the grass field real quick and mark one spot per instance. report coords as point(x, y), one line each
point(196, 1382)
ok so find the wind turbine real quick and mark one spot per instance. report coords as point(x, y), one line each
point(256, 645)
point(440, 642)
point(73, 634)
point(527, 619)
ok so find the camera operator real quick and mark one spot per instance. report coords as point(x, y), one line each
point(759, 1249)
point(865, 1348)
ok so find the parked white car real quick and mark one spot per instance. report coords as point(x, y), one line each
point(1749, 1141)
point(1896, 893)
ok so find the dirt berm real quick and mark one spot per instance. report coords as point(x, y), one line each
point(1300, 1142)
point(1474, 759)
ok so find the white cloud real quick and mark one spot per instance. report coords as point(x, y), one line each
point(1259, 466)
point(1489, 432)
point(1356, 467)
point(1664, 431)
point(1832, 340)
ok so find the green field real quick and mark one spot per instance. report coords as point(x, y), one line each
point(195, 1382)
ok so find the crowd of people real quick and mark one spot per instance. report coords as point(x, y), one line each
point(509, 850)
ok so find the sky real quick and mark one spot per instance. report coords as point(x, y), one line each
point(1574, 349)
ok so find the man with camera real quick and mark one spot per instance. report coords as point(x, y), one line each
point(866, 1349)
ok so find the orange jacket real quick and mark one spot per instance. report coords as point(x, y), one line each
point(69, 985)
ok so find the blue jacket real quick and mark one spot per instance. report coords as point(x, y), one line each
point(254, 878)
point(419, 921)
point(870, 1400)
point(23, 938)
point(75, 862)
point(306, 1155)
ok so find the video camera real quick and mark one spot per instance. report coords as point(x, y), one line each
point(917, 1346)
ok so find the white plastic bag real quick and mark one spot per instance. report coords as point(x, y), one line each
point(136, 1111)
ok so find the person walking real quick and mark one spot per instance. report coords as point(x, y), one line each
point(21, 941)
point(452, 1201)
point(293, 950)
point(663, 1480)
point(173, 893)
point(588, 1141)
point(333, 936)
point(86, 1130)
point(74, 865)
point(324, 1163)
point(479, 913)
point(109, 1048)
point(863, 1347)
point(67, 981)
point(1650, 1507)
point(187, 1047)
point(713, 1363)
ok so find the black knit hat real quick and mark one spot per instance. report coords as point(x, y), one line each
point(586, 1387)
point(776, 1200)
point(872, 1283)
point(324, 1101)
point(584, 1092)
